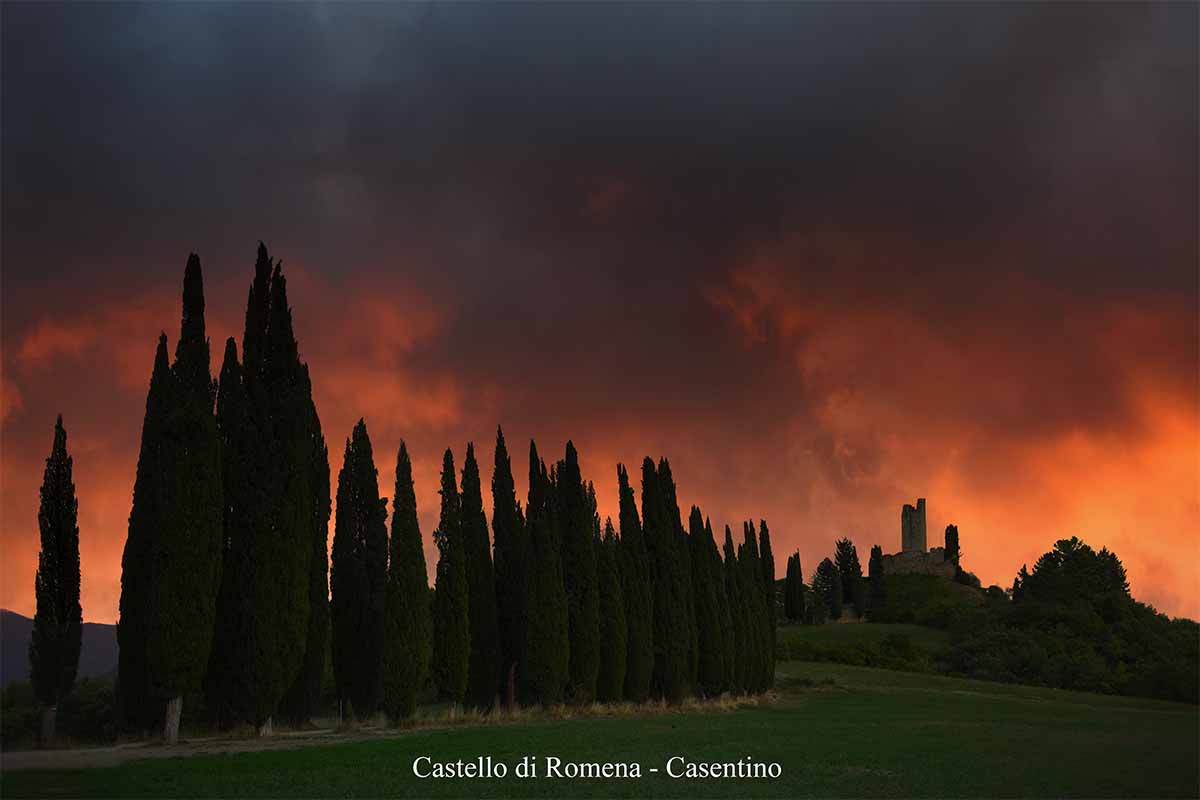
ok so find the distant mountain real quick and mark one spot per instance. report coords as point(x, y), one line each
point(98, 655)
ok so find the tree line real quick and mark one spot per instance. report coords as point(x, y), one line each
point(227, 588)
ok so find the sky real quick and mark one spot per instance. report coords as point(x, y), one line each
point(827, 259)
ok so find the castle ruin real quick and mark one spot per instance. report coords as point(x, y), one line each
point(912, 527)
point(913, 558)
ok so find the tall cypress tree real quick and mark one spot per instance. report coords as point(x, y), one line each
point(271, 506)
point(545, 673)
point(683, 559)
point(716, 578)
point(185, 546)
point(768, 568)
point(511, 565)
point(710, 636)
point(794, 589)
point(145, 518)
point(850, 570)
point(875, 570)
point(610, 682)
point(451, 621)
point(738, 614)
point(755, 599)
point(300, 701)
point(484, 668)
point(789, 588)
point(408, 627)
point(358, 577)
point(58, 621)
point(673, 638)
point(579, 578)
point(636, 589)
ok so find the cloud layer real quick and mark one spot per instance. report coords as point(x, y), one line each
point(825, 258)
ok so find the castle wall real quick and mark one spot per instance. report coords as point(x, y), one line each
point(912, 563)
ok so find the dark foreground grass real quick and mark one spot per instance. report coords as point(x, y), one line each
point(837, 731)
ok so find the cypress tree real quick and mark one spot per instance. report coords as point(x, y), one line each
point(794, 590)
point(511, 564)
point(710, 636)
point(272, 508)
point(875, 570)
point(683, 559)
point(755, 599)
point(579, 579)
point(184, 547)
point(451, 621)
point(145, 518)
point(827, 586)
point(952, 552)
point(300, 701)
point(724, 612)
point(672, 636)
point(789, 588)
point(546, 651)
point(768, 568)
point(58, 621)
point(484, 667)
point(846, 559)
point(358, 578)
point(738, 615)
point(408, 627)
point(636, 589)
point(610, 682)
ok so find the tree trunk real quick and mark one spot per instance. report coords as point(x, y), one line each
point(266, 729)
point(49, 713)
point(510, 694)
point(171, 721)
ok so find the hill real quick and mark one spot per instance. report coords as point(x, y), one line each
point(835, 731)
point(97, 657)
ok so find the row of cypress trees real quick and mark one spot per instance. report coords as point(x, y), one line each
point(566, 610)
point(226, 585)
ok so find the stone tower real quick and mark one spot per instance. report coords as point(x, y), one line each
point(912, 527)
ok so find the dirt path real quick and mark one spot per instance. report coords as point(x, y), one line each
point(85, 757)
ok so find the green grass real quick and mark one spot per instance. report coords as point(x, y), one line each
point(837, 731)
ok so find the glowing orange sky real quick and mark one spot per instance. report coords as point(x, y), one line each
point(827, 258)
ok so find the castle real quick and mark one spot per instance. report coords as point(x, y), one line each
point(913, 558)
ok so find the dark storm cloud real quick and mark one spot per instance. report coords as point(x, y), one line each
point(871, 245)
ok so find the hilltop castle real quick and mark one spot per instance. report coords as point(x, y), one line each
point(913, 558)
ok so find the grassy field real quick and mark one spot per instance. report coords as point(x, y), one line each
point(835, 730)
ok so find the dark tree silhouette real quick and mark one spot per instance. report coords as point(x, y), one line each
point(546, 661)
point(358, 578)
point(637, 592)
point(711, 672)
point(511, 568)
point(768, 568)
point(579, 579)
point(484, 667)
point(739, 615)
point(610, 681)
point(58, 621)
point(408, 627)
point(451, 613)
point(850, 570)
point(827, 586)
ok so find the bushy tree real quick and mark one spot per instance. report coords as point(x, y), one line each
point(484, 666)
point(636, 589)
point(511, 551)
point(850, 571)
point(827, 586)
point(610, 681)
point(451, 613)
point(579, 578)
point(358, 578)
point(408, 627)
point(58, 621)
